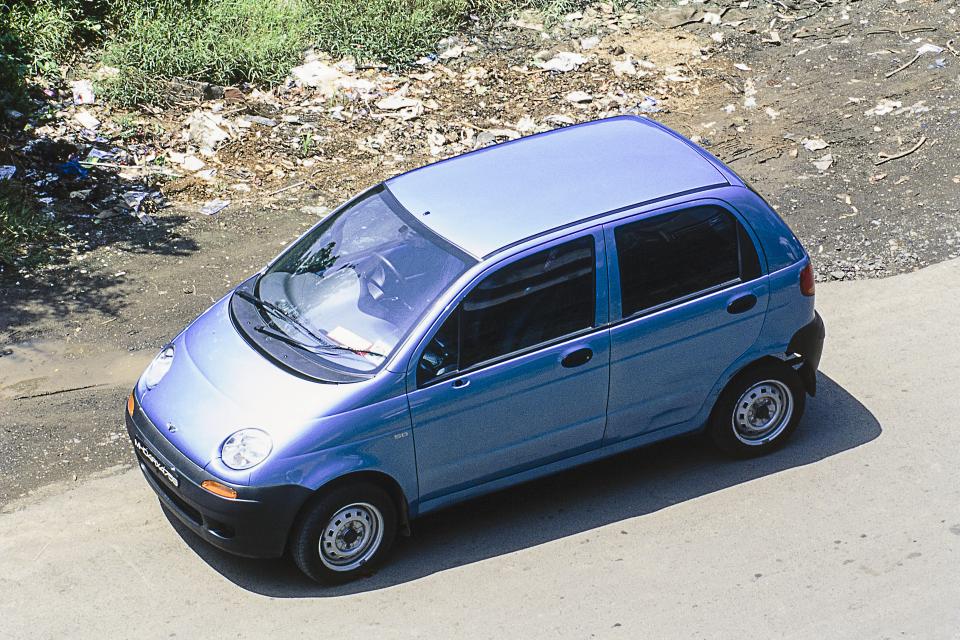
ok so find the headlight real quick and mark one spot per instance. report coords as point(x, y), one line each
point(246, 448)
point(158, 368)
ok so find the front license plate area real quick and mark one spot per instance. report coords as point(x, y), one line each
point(168, 474)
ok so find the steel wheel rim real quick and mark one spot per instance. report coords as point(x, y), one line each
point(762, 412)
point(351, 537)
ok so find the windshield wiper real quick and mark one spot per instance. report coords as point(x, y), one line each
point(315, 348)
point(268, 306)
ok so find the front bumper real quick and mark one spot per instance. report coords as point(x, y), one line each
point(808, 344)
point(256, 524)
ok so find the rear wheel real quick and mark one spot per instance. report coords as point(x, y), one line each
point(347, 532)
point(758, 410)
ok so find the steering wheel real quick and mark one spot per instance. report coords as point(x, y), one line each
point(392, 281)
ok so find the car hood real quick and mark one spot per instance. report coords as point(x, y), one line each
point(219, 384)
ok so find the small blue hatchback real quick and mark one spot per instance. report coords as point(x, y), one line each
point(473, 324)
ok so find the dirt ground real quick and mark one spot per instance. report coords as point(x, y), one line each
point(803, 100)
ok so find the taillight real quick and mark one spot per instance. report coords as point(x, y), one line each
point(807, 285)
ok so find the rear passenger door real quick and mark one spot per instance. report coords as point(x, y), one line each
point(687, 299)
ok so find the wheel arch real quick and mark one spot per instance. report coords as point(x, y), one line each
point(378, 478)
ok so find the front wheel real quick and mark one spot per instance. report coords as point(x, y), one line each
point(345, 533)
point(758, 410)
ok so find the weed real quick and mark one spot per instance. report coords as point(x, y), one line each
point(24, 230)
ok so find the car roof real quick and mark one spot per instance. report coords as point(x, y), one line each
point(494, 197)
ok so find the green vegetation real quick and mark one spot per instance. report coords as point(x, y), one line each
point(23, 228)
point(225, 41)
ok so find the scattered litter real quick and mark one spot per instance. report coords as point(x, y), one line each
point(624, 68)
point(939, 63)
point(926, 48)
point(648, 105)
point(7, 171)
point(82, 194)
point(134, 199)
point(319, 75)
point(730, 108)
point(586, 44)
point(214, 207)
point(87, 120)
point(774, 38)
point(874, 179)
point(563, 62)
point(823, 163)
point(579, 97)
point(883, 107)
point(193, 163)
point(395, 102)
point(742, 67)
point(453, 52)
point(83, 92)
point(884, 157)
point(815, 144)
point(267, 122)
point(207, 129)
point(73, 169)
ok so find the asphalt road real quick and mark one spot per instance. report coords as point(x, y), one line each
point(852, 531)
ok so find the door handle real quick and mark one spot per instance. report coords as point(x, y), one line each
point(742, 303)
point(461, 383)
point(577, 357)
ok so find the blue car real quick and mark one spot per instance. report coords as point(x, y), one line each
point(473, 324)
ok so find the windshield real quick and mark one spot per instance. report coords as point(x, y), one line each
point(352, 288)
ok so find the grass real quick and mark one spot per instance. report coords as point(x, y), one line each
point(24, 230)
point(227, 41)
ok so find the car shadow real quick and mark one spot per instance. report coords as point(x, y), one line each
point(626, 486)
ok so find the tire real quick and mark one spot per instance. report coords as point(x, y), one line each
point(758, 410)
point(356, 525)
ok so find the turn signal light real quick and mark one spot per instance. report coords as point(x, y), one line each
point(807, 286)
point(131, 403)
point(219, 489)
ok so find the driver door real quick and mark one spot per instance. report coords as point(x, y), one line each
point(517, 375)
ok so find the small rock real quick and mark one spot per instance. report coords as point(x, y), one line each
point(823, 163)
point(815, 144)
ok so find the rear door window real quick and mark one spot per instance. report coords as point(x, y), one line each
point(537, 299)
point(672, 256)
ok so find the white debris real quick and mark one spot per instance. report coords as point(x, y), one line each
point(814, 144)
point(214, 207)
point(193, 163)
point(453, 52)
point(717, 36)
point(526, 124)
point(207, 129)
point(730, 108)
point(586, 44)
point(7, 171)
point(319, 75)
point(83, 92)
point(929, 48)
point(773, 113)
point(559, 118)
point(395, 101)
point(742, 67)
point(579, 97)
point(823, 163)
point(86, 120)
point(624, 68)
point(883, 107)
point(712, 18)
point(563, 62)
